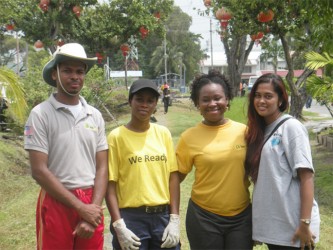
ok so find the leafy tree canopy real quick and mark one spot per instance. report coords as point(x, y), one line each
point(300, 25)
point(101, 26)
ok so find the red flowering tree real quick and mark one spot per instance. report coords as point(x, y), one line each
point(99, 26)
point(295, 23)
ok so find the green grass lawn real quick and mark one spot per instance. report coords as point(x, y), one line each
point(19, 191)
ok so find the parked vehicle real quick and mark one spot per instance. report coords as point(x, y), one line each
point(252, 80)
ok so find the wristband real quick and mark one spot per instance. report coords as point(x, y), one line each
point(306, 221)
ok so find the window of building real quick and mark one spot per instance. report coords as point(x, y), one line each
point(247, 69)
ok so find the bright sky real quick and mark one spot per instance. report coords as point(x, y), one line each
point(201, 24)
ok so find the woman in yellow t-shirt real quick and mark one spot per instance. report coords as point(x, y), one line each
point(219, 211)
point(143, 190)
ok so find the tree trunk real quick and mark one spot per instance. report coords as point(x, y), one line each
point(237, 56)
point(275, 64)
point(328, 106)
point(296, 104)
point(300, 83)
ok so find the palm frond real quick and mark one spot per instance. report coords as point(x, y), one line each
point(14, 93)
point(316, 60)
point(319, 88)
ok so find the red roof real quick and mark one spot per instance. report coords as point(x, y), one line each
point(297, 72)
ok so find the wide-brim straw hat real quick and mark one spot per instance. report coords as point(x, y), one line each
point(67, 52)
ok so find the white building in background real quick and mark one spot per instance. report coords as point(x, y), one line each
point(130, 73)
point(253, 66)
point(219, 62)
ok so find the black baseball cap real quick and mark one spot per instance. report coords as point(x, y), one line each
point(143, 84)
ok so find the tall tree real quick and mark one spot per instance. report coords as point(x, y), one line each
point(98, 26)
point(13, 52)
point(234, 33)
point(36, 89)
point(182, 47)
point(286, 20)
point(272, 50)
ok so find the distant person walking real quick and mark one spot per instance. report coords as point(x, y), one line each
point(308, 102)
point(67, 148)
point(244, 86)
point(166, 97)
point(279, 161)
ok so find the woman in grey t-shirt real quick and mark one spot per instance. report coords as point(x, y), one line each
point(279, 162)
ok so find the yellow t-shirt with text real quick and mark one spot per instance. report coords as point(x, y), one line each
point(140, 164)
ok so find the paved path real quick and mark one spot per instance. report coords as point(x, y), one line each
point(320, 109)
point(325, 121)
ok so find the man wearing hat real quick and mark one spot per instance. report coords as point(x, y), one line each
point(65, 138)
point(143, 190)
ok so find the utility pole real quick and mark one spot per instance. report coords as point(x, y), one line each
point(184, 75)
point(180, 75)
point(17, 54)
point(211, 43)
point(126, 72)
point(107, 69)
point(165, 60)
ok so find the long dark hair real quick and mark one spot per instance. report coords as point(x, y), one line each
point(213, 76)
point(256, 124)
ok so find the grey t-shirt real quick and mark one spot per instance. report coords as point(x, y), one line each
point(276, 195)
point(70, 143)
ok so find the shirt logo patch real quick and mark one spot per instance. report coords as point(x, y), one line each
point(276, 141)
point(239, 147)
point(28, 131)
point(90, 127)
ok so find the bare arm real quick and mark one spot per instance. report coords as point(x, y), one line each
point(174, 189)
point(181, 177)
point(303, 232)
point(112, 201)
point(40, 172)
point(307, 192)
point(101, 177)
point(85, 229)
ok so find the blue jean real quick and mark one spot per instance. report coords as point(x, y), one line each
point(206, 230)
point(149, 227)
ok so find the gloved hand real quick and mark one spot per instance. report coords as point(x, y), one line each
point(127, 239)
point(171, 232)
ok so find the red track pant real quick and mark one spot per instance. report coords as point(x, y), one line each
point(56, 222)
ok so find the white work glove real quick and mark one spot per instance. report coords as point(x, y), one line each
point(171, 232)
point(127, 239)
